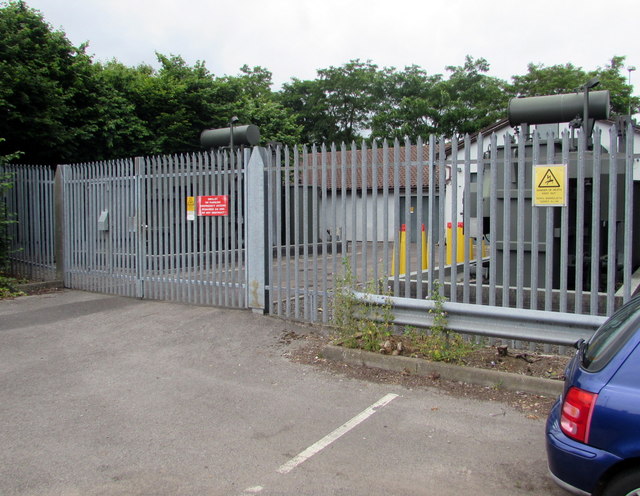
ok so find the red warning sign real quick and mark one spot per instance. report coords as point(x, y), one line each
point(217, 205)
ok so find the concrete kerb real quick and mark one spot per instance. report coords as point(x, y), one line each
point(33, 287)
point(471, 375)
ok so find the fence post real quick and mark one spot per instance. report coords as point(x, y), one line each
point(256, 230)
point(58, 212)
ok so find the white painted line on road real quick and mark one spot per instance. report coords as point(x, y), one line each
point(253, 490)
point(339, 432)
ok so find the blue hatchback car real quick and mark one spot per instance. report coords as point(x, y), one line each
point(593, 430)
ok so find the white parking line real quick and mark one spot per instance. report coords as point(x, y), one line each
point(253, 490)
point(339, 432)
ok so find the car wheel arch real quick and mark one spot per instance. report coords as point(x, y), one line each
point(627, 465)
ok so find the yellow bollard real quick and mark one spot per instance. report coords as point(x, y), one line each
point(460, 241)
point(473, 249)
point(403, 253)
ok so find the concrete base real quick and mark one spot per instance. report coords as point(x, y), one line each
point(471, 375)
point(33, 287)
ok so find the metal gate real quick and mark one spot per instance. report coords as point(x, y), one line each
point(131, 228)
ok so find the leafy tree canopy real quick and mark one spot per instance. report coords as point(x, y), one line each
point(40, 83)
point(57, 105)
point(360, 100)
point(340, 104)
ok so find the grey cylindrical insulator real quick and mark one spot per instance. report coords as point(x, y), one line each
point(557, 108)
point(242, 135)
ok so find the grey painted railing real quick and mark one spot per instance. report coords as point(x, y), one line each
point(497, 322)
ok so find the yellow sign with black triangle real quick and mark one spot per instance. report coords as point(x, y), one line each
point(550, 185)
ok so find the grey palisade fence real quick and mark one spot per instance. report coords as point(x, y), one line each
point(400, 216)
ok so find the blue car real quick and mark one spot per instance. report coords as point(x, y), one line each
point(593, 430)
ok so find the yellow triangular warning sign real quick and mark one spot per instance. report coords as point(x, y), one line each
point(549, 180)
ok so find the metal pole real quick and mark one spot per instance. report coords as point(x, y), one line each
point(232, 121)
point(630, 69)
point(592, 83)
point(58, 205)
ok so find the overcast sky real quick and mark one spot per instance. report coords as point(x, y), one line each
point(294, 38)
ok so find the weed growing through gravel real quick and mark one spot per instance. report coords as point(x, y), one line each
point(359, 324)
point(440, 343)
point(8, 287)
point(367, 326)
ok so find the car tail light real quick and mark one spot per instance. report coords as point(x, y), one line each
point(577, 409)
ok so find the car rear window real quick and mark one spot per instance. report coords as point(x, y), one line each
point(612, 336)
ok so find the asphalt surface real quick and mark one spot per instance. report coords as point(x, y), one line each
point(103, 395)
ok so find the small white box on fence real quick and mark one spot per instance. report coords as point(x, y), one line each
point(103, 221)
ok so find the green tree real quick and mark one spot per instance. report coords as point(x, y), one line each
point(352, 94)
point(171, 105)
point(184, 101)
point(175, 103)
point(52, 106)
point(35, 73)
point(306, 101)
point(55, 104)
point(471, 99)
point(255, 103)
point(123, 131)
point(417, 104)
point(613, 78)
point(541, 80)
point(339, 105)
point(411, 105)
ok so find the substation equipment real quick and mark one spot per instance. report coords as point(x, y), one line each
point(248, 135)
point(547, 112)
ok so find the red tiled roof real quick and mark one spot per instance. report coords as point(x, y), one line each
point(395, 158)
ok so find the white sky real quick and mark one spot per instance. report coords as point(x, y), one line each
point(294, 38)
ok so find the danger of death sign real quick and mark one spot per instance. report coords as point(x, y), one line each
point(550, 185)
point(217, 205)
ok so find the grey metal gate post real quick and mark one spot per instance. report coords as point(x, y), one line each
point(256, 232)
point(58, 206)
point(140, 225)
